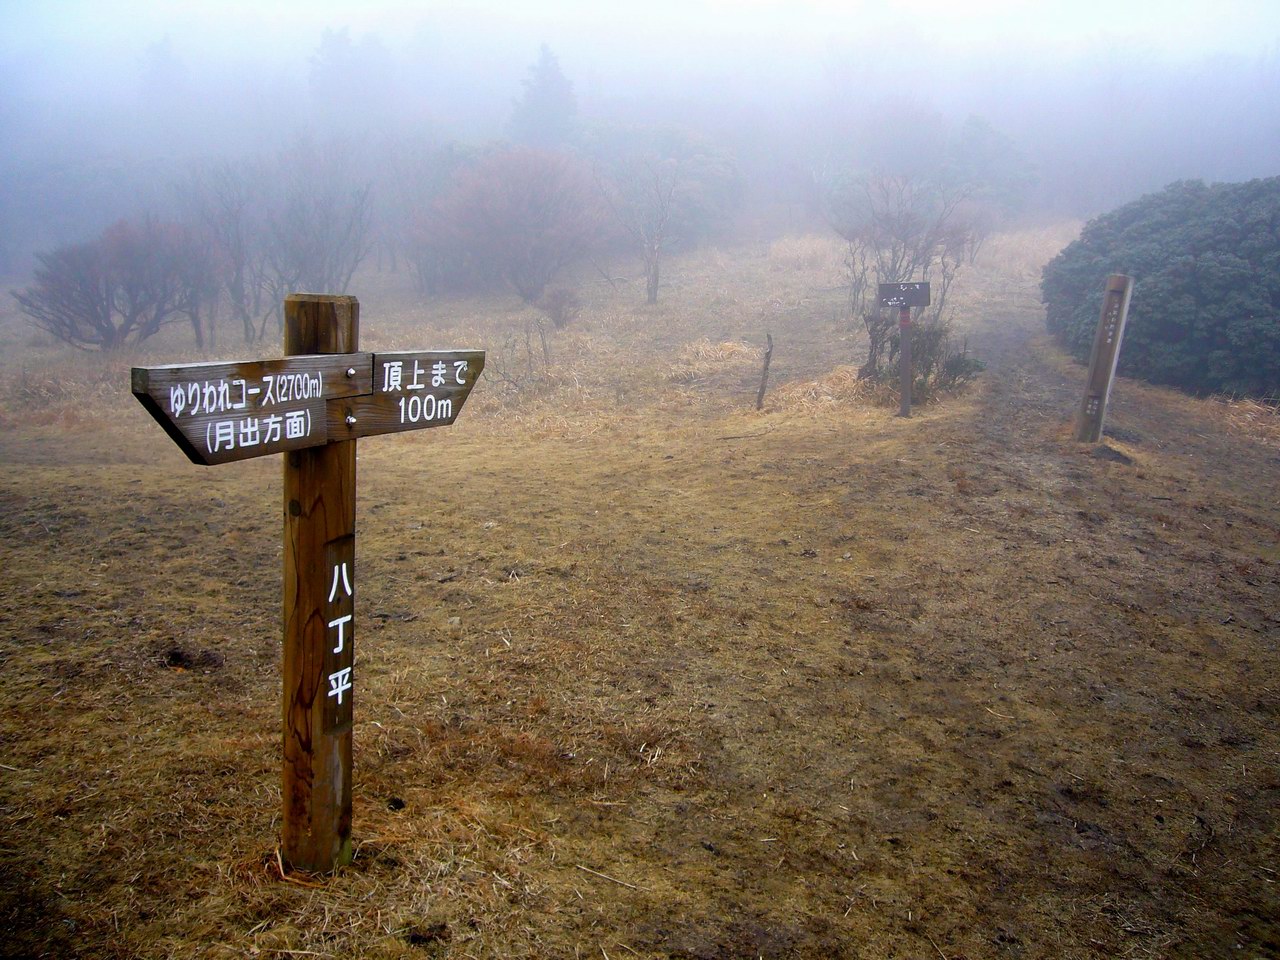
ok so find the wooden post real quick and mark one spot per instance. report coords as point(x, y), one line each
point(319, 605)
point(904, 356)
point(312, 406)
point(764, 373)
point(1102, 362)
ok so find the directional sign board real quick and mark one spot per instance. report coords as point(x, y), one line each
point(904, 294)
point(1103, 359)
point(410, 391)
point(312, 405)
point(222, 412)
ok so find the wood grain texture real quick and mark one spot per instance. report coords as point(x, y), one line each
point(319, 530)
point(411, 391)
point(906, 374)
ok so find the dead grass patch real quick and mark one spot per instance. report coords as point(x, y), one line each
point(75, 390)
point(643, 672)
point(1021, 254)
point(1255, 419)
point(821, 254)
point(842, 386)
point(702, 359)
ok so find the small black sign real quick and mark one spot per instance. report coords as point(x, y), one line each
point(904, 294)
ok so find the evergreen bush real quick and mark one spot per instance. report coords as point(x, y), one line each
point(1205, 311)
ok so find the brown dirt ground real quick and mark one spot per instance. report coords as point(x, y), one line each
point(809, 682)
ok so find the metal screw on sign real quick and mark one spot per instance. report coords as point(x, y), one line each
point(312, 405)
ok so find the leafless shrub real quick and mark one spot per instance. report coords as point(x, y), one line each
point(523, 214)
point(561, 305)
point(938, 363)
point(897, 228)
point(299, 224)
point(121, 288)
point(318, 228)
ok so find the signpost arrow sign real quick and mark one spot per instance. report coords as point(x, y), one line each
point(903, 294)
point(220, 412)
point(312, 405)
point(410, 391)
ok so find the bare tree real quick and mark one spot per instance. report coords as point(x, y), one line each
point(195, 264)
point(317, 224)
point(642, 198)
point(121, 288)
point(664, 186)
point(897, 228)
point(227, 202)
point(302, 223)
point(524, 214)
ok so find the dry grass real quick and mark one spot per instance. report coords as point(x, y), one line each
point(703, 359)
point(841, 386)
point(1256, 420)
point(810, 253)
point(1021, 254)
point(72, 391)
point(643, 672)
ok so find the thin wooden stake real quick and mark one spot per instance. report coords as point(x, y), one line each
point(764, 374)
point(319, 606)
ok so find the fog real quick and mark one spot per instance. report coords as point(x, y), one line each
point(107, 107)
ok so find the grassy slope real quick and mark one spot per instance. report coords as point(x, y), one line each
point(808, 682)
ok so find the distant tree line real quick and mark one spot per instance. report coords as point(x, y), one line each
point(511, 215)
point(516, 215)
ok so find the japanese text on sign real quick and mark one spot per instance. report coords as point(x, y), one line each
point(339, 621)
point(409, 391)
point(421, 406)
point(1111, 323)
point(226, 396)
point(232, 410)
point(903, 294)
point(232, 401)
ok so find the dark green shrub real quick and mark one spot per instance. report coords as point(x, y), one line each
point(1205, 313)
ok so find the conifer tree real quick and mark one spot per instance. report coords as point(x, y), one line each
point(546, 113)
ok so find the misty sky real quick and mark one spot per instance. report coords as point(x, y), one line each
point(103, 102)
point(95, 49)
point(984, 27)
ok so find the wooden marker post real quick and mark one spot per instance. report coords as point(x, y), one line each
point(1103, 359)
point(311, 406)
point(904, 361)
point(319, 606)
point(904, 296)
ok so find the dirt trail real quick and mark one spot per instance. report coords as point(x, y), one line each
point(679, 680)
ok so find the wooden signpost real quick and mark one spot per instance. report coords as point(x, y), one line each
point(1103, 359)
point(904, 296)
point(312, 406)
